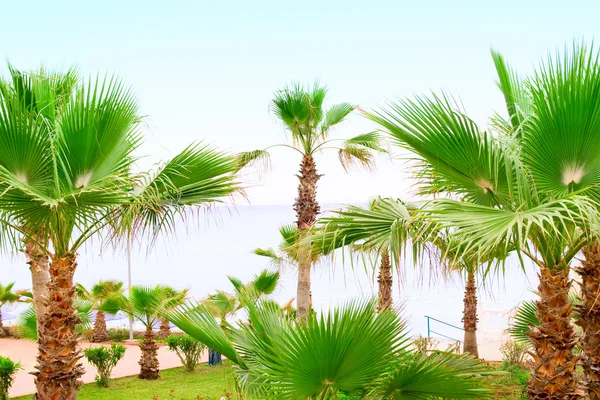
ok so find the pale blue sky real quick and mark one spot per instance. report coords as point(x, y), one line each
point(207, 70)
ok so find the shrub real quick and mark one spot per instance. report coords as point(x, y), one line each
point(188, 349)
point(8, 369)
point(424, 344)
point(513, 352)
point(104, 359)
point(118, 334)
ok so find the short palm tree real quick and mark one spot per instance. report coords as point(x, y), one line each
point(351, 350)
point(223, 305)
point(302, 113)
point(147, 305)
point(100, 291)
point(386, 227)
point(8, 296)
point(175, 298)
point(66, 174)
point(507, 197)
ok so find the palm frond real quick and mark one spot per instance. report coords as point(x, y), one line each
point(516, 96)
point(195, 320)
point(558, 145)
point(342, 350)
point(523, 320)
point(441, 375)
point(334, 115)
point(455, 155)
point(270, 253)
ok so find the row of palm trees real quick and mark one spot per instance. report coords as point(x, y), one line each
point(529, 185)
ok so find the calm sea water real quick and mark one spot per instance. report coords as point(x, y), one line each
point(219, 243)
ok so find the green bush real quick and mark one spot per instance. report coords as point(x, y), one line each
point(118, 334)
point(104, 359)
point(513, 352)
point(188, 349)
point(8, 369)
point(521, 375)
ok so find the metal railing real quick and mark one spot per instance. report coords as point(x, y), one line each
point(430, 331)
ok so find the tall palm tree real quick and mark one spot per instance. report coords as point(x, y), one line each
point(100, 291)
point(66, 175)
point(351, 350)
point(9, 296)
point(147, 305)
point(175, 298)
point(385, 227)
point(302, 113)
point(506, 196)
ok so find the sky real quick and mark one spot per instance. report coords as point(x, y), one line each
point(207, 70)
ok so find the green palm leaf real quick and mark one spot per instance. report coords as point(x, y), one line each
point(455, 155)
point(441, 375)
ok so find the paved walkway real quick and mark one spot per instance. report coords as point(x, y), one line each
point(25, 351)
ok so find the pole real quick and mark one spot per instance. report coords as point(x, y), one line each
point(129, 284)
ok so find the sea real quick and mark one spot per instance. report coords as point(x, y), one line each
point(208, 246)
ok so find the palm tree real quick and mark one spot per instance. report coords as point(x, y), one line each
point(223, 305)
point(308, 123)
point(385, 227)
point(66, 175)
point(9, 296)
point(100, 291)
point(506, 193)
point(18, 96)
point(351, 350)
point(560, 145)
point(175, 298)
point(147, 305)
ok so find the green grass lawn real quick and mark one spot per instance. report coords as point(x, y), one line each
point(212, 383)
point(206, 383)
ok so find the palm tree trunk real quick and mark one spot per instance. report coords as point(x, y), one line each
point(165, 329)
point(470, 316)
point(99, 334)
point(553, 359)
point(149, 360)
point(385, 282)
point(588, 313)
point(58, 364)
point(40, 276)
point(307, 208)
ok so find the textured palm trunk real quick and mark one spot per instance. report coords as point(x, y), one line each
point(307, 208)
point(553, 359)
point(149, 360)
point(165, 329)
point(58, 364)
point(385, 282)
point(588, 317)
point(100, 333)
point(39, 265)
point(470, 316)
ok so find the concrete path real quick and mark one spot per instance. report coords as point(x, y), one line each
point(25, 351)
